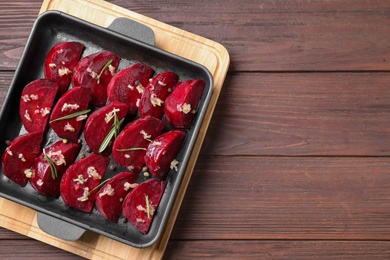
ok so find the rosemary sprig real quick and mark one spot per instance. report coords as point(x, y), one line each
point(52, 165)
point(76, 114)
point(104, 68)
point(113, 133)
point(131, 149)
point(147, 205)
point(98, 186)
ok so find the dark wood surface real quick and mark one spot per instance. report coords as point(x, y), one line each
point(296, 160)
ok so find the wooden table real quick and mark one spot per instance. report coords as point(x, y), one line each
point(296, 160)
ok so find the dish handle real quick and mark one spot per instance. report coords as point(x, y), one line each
point(62, 229)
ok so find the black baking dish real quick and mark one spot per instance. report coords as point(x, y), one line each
point(50, 28)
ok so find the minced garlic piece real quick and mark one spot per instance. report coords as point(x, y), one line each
point(26, 98)
point(110, 115)
point(80, 179)
point(44, 111)
point(69, 128)
point(60, 51)
point(27, 116)
point(92, 73)
point(140, 220)
point(127, 156)
point(52, 65)
point(130, 87)
point(69, 107)
point(9, 151)
point(146, 136)
point(108, 190)
point(128, 186)
point(57, 157)
point(81, 118)
point(64, 71)
point(137, 102)
point(174, 164)
point(21, 157)
point(34, 97)
point(39, 182)
point(130, 167)
point(151, 209)
point(161, 83)
point(140, 88)
point(111, 69)
point(155, 100)
point(29, 173)
point(93, 173)
point(185, 108)
point(85, 195)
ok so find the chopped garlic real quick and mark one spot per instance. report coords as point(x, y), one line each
point(130, 167)
point(34, 97)
point(137, 102)
point(128, 186)
point(130, 87)
point(69, 128)
point(92, 73)
point(57, 157)
point(185, 108)
point(26, 98)
point(39, 182)
point(146, 136)
point(80, 179)
point(21, 157)
point(110, 115)
point(27, 116)
point(155, 100)
point(174, 164)
point(85, 195)
point(140, 220)
point(140, 88)
point(60, 51)
point(151, 209)
point(127, 156)
point(69, 107)
point(81, 118)
point(64, 71)
point(29, 173)
point(108, 190)
point(9, 151)
point(44, 111)
point(161, 83)
point(52, 65)
point(111, 69)
point(93, 173)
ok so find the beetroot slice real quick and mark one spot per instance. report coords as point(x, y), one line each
point(44, 179)
point(110, 197)
point(155, 93)
point(161, 153)
point(19, 156)
point(36, 102)
point(73, 101)
point(180, 106)
point(80, 179)
point(137, 134)
point(140, 205)
point(60, 62)
point(127, 85)
point(100, 123)
point(87, 71)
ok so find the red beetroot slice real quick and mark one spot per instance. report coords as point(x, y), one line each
point(110, 197)
point(59, 156)
point(80, 180)
point(60, 62)
point(140, 205)
point(19, 156)
point(94, 72)
point(36, 102)
point(161, 153)
point(180, 106)
point(127, 85)
point(73, 101)
point(130, 146)
point(155, 93)
point(100, 123)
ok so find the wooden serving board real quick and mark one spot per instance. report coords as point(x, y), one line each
point(199, 49)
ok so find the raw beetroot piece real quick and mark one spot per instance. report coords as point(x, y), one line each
point(161, 153)
point(155, 93)
point(80, 180)
point(100, 123)
point(95, 71)
point(60, 62)
point(140, 205)
point(19, 156)
point(127, 85)
point(110, 197)
point(49, 167)
point(36, 102)
point(130, 146)
point(73, 101)
point(180, 106)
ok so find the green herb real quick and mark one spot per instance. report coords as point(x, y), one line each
point(131, 149)
point(104, 68)
point(98, 186)
point(147, 205)
point(52, 165)
point(113, 133)
point(76, 114)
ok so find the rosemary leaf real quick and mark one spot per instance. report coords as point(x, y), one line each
point(52, 165)
point(113, 133)
point(104, 68)
point(98, 186)
point(76, 114)
point(131, 149)
point(147, 205)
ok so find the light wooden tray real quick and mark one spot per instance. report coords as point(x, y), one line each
point(199, 49)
